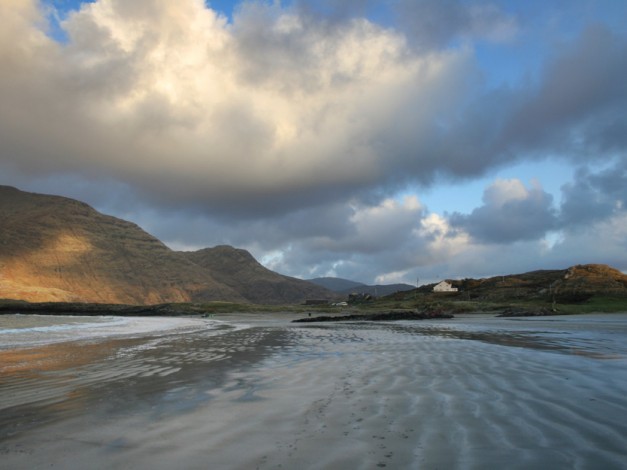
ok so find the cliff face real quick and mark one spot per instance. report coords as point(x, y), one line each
point(58, 249)
point(239, 270)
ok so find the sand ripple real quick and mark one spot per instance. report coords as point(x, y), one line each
point(363, 396)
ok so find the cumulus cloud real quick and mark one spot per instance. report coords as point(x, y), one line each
point(510, 212)
point(276, 111)
point(359, 233)
point(173, 100)
point(595, 196)
point(603, 242)
point(386, 242)
point(289, 130)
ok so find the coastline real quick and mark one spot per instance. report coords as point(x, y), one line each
point(468, 392)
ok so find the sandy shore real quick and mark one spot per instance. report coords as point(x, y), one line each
point(466, 393)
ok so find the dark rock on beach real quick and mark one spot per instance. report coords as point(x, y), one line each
point(523, 312)
point(390, 316)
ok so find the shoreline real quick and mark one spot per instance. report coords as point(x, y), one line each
point(211, 309)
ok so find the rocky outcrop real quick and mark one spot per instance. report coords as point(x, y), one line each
point(527, 312)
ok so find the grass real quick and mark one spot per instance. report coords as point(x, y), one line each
point(455, 305)
point(231, 307)
point(597, 304)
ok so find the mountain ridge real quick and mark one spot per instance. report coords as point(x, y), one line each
point(347, 286)
point(336, 284)
point(238, 269)
point(59, 249)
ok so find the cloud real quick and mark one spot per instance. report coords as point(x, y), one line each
point(594, 196)
point(290, 130)
point(385, 242)
point(603, 242)
point(335, 11)
point(510, 213)
point(276, 111)
point(578, 106)
point(353, 239)
point(265, 115)
point(436, 23)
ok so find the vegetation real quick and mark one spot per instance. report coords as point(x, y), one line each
point(455, 303)
point(579, 289)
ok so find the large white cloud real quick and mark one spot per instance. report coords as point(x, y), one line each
point(173, 100)
point(290, 133)
point(276, 110)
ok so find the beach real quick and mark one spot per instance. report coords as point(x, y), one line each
point(257, 391)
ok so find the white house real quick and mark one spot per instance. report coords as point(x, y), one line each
point(444, 287)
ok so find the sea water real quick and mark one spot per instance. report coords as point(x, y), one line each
point(19, 331)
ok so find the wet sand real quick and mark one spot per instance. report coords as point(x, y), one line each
point(466, 393)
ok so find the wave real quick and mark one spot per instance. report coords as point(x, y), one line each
point(21, 331)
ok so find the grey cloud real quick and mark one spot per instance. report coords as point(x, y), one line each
point(580, 100)
point(576, 110)
point(510, 213)
point(368, 239)
point(435, 23)
point(335, 11)
point(275, 113)
point(594, 196)
point(610, 135)
point(602, 242)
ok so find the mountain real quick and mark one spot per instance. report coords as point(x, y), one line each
point(58, 249)
point(336, 284)
point(239, 270)
point(346, 286)
point(380, 290)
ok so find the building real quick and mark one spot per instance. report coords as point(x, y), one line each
point(444, 287)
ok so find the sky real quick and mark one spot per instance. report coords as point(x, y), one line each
point(378, 141)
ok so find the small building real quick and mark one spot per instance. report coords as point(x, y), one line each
point(444, 287)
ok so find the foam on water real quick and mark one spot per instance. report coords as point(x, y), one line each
point(20, 331)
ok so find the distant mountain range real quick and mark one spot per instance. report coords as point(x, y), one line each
point(55, 249)
point(346, 286)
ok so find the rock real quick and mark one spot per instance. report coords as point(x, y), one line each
point(522, 312)
point(390, 316)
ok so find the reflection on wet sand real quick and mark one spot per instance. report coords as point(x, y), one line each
point(47, 383)
point(547, 340)
point(533, 339)
point(476, 394)
point(55, 357)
